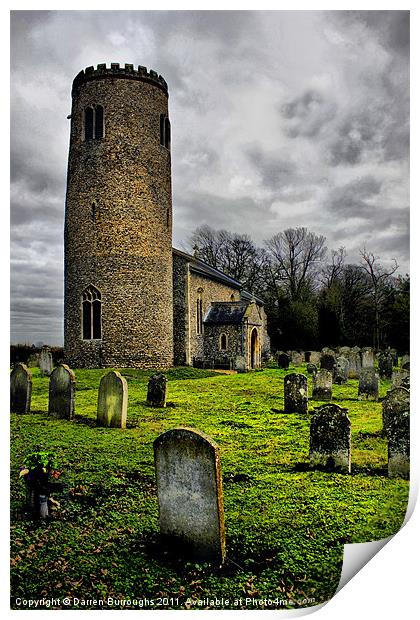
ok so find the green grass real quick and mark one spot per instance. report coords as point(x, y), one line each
point(285, 525)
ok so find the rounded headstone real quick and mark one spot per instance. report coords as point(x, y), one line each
point(61, 401)
point(20, 389)
point(330, 438)
point(112, 401)
point(295, 393)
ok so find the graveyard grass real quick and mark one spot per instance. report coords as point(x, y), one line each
point(285, 525)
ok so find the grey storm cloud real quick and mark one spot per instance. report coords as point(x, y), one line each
point(279, 119)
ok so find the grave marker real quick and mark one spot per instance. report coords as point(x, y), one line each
point(62, 393)
point(112, 401)
point(330, 438)
point(20, 389)
point(295, 393)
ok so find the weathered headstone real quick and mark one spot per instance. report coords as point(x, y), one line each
point(315, 357)
point(327, 360)
point(330, 438)
point(112, 401)
point(396, 421)
point(385, 364)
point(189, 489)
point(62, 392)
point(355, 363)
point(368, 357)
point(156, 390)
point(20, 389)
point(322, 385)
point(395, 403)
point(400, 378)
point(368, 384)
point(341, 370)
point(283, 361)
point(295, 393)
point(45, 361)
point(296, 357)
point(404, 361)
point(33, 361)
point(311, 369)
point(344, 351)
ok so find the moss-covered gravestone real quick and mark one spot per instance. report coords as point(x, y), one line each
point(368, 385)
point(45, 361)
point(385, 363)
point(327, 360)
point(157, 390)
point(62, 392)
point(396, 425)
point(311, 369)
point(341, 370)
point(295, 393)
point(20, 389)
point(368, 357)
point(189, 489)
point(355, 362)
point(322, 385)
point(283, 361)
point(330, 439)
point(112, 401)
point(401, 378)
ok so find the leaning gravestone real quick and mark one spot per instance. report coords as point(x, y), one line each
point(395, 403)
point(385, 364)
point(112, 401)
point(355, 363)
point(62, 392)
point(341, 370)
point(368, 384)
point(45, 362)
point(156, 390)
point(189, 489)
point(397, 424)
point(368, 358)
point(327, 360)
point(283, 361)
point(322, 385)
point(295, 393)
point(400, 378)
point(330, 438)
point(20, 389)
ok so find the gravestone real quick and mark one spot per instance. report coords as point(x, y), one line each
point(397, 428)
point(189, 490)
point(295, 393)
point(406, 366)
point(315, 357)
point(283, 361)
point(20, 389)
point(322, 385)
point(296, 358)
point(368, 357)
point(156, 390)
point(33, 361)
point(112, 401)
point(344, 351)
point(341, 370)
point(307, 357)
point(330, 438)
point(62, 393)
point(327, 360)
point(404, 361)
point(45, 362)
point(400, 377)
point(311, 369)
point(395, 403)
point(394, 354)
point(355, 363)
point(385, 364)
point(368, 384)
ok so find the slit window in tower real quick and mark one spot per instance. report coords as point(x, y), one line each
point(99, 122)
point(167, 133)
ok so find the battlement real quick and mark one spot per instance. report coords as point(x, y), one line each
point(115, 71)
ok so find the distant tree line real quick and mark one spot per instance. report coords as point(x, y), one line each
point(313, 298)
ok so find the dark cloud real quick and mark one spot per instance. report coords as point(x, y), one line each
point(355, 199)
point(391, 28)
point(307, 114)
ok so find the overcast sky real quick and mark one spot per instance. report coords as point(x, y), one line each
point(279, 119)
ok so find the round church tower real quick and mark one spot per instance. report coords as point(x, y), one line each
point(118, 222)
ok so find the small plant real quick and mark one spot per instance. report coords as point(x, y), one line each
point(39, 467)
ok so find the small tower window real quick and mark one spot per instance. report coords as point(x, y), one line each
point(88, 123)
point(93, 212)
point(223, 342)
point(91, 314)
point(94, 122)
point(200, 311)
point(165, 131)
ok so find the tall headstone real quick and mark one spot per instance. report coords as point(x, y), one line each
point(355, 363)
point(45, 361)
point(385, 364)
point(322, 385)
point(62, 393)
point(341, 370)
point(189, 489)
point(368, 357)
point(295, 393)
point(283, 361)
point(327, 360)
point(368, 384)
point(330, 438)
point(157, 390)
point(112, 401)
point(396, 423)
point(20, 389)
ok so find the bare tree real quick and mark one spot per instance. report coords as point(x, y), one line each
point(380, 280)
point(332, 272)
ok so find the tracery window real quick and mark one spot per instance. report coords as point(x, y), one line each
point(91, 314)
point(94, 122)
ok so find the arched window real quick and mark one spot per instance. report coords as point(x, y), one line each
point(165, 131)
point(94, 122)
point(232, 297)
point(91, 314)
point(200, 311)
point(223, 342)
point(88, 123)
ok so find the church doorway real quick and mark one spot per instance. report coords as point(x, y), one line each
point(254, 348)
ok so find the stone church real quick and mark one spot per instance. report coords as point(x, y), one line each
point(131, 299)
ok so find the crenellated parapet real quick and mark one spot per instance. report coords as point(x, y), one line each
point(116, 71)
